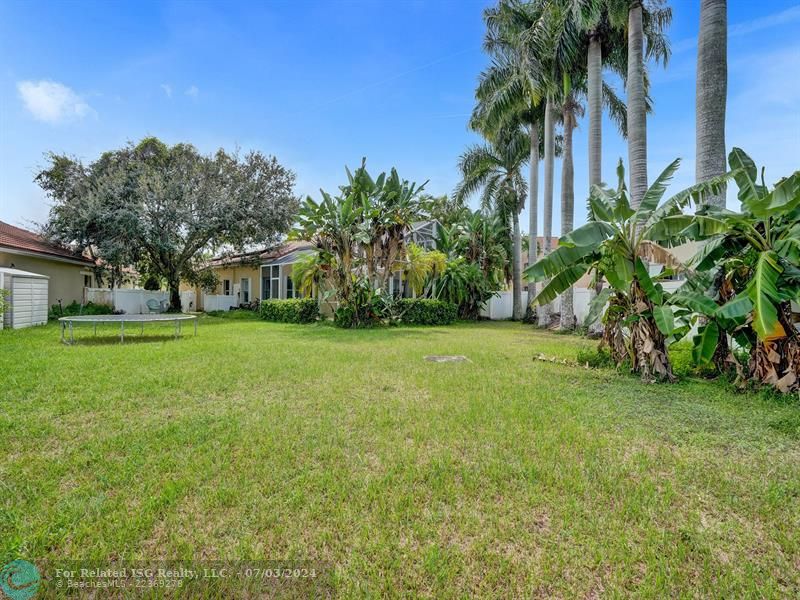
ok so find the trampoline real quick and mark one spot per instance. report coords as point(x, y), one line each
point(176, 319)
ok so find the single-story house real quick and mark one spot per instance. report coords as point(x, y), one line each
point(68, 272)
point(256, 275)
point(267, 274)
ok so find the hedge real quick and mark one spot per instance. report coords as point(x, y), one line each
point(300, 310)
point(423, 311)
point(75, 309)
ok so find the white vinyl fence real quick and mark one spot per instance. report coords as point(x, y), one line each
point(219, 302)
point(134, 302)
point(500, 306)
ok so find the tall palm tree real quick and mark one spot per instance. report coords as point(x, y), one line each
point(712, 89)
point(637, 113)
point(506, 97)
point(551, 46)
point(571, 109)
point(520, 97)
point(642, 19)
point(496, 168)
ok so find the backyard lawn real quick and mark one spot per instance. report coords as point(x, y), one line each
point(500, 476)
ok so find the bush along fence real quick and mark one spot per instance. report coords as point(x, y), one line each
point(300, 310)
point(424, 311)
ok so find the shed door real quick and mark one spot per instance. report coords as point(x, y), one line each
point(28, 301)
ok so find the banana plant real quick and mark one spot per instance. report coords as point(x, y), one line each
point(619, 243)
point(759, 251)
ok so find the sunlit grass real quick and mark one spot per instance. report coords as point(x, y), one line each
point(501, 476)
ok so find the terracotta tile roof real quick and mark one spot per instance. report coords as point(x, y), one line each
point(16, 238)
point(259, 256)
point(286, 248)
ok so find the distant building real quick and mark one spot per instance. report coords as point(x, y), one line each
point(69, 272)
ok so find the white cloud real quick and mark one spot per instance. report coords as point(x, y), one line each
point(52, 102)
point(789, 15)
point(192, 91)
point(167, 89)
point(784, 17)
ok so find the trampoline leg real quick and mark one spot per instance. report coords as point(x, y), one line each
point(95, 328)
point(142, 332)
point(62, 331)
point(122, 332)
point(71, 334)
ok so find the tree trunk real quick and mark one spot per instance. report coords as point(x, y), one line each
point(649, 354)
point(777, 362)
point(543, 312)
point(567, 207)
point(637, 116)
point(712, 89)
point(533, 206)
point(517, 310)
point(595, 101)
point(174, 295)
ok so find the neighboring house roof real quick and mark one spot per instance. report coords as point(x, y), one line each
point(260, 256)
point(20, 240)
point(286, 248)
point(21, 273)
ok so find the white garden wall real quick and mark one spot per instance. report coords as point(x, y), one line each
point(219, 302)
point(134, 302)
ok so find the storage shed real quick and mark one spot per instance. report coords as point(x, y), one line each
point(26, 297)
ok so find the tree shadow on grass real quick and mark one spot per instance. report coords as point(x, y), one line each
point(336, 335)
point(114, 340)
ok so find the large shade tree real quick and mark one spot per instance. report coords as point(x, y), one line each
point(167, 206)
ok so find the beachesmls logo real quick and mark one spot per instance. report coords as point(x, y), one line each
point(19, 580)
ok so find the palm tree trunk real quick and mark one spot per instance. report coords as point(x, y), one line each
point(533, 206)
point(595, 101)
point(543, 312)
point(637, 116)
point(712, 89)
point(516, 275)
point(567, 207)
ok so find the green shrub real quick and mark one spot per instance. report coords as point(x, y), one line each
point(235, 315)
point(75, 309)
point(423, 311)
point(596, 359)
point(300, 310)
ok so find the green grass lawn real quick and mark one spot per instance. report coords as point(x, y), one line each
point(501, 476)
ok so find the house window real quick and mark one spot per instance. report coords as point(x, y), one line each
point(87, 281)
point(396, 285)
point(270, 282)
point(245, 290)
point(289, 288)
point(226, 287)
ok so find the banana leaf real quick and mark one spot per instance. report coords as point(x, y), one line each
point(591, 234)
point(763, 292)
point(745, 174)
point(655, 293)
point(705, 343)
point(655, 192)
point(596, 306)
point(736, 308)
point(558, 260)
point(665, 319)
point(560, 283)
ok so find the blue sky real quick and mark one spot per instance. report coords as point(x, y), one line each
point(322, 83)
